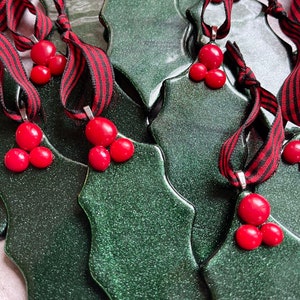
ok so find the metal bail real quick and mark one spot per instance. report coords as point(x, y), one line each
point(88, 112)
point(214, 30)
point(242, 179)
point(21, 105)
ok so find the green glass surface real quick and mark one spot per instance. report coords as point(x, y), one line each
point(3, 219)
point(48, 236)
point(190, 128)
point(68, 136)
point(264, 273)
point(141, 231)
point(146, 42)
point(283, 193)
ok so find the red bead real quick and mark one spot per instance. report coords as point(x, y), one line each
point(57, 64)
point(28, 136)
point(42, 51)
point(254, 209)
point(248, 237)
point(16, 160)
point(41, 157)
point(121, 150)
point(197, 72)
point(272, 234)
point(211, 56)
point(101, 131)
point(40, 75)
point(291, 152)
point(215, 78)
point(99, 158)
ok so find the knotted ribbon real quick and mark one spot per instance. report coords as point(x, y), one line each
point(266, 159)
point(81, 55)
point(290, 92)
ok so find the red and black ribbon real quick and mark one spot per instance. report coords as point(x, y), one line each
point(224, 29)
point(15, 10)
point(294, 10)
point(290, 92)
point(81, 55)
point(10, 60)
point(265, 161)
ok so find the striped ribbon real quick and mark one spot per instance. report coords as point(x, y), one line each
point(15, 10)
point(290, 92)
point(10, 59)
point(294, 11)
point(224, 29)
point(266, 159)
point(81, 55)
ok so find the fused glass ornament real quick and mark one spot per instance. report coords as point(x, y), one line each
point(190, 128)
point(160, 44)
point(266, 271)
point(141, 232)
point(48, 236)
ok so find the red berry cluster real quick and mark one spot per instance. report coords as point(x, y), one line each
point(254, 210)
point(28, 137)
point(47, 62)
point(291, 152)
point(210, 58)
point(102, 133)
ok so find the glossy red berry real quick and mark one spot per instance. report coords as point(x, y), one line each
point(248, 237)
point(272, 234)
point(215, 78)
point(57, 64)
point(42, 51)
point(40, 75)
point(99, 158)
point(41, 157)
point(211, 56)
point(121, 150)
point(291, 152)
point(254, 209)
point(101, 131)
point(28, 136)
point(16, 160)
point(197, 72)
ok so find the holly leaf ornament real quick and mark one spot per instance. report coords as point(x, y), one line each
point(141, 231)
point(190, 128)
point(48, 236)
point(268, 273)
point(146, 43)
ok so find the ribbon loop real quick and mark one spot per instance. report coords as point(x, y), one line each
point(266, 159)
point(83, 57)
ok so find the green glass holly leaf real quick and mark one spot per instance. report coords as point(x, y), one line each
point(141, 231)
point(263, 273)
point(147, 43)
point(190, 128)
point(48, 236)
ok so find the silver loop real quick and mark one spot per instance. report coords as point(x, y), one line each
point(214, 30)
point(242, 179)
point(88, 112)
